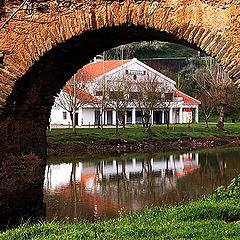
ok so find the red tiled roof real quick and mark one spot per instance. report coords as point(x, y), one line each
point(186, 170)
point(186, 98)
point(80, 94)
point(94, 70)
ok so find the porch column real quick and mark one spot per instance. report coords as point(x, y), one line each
point(114, 117)
point(80, 119)
point(174, 115)
point(152, 117)
point(103, 117)
point(181, 115)
point(125, 116)
point(163, 115)
point(171, 116)
point(134, 115)
point(196, 114)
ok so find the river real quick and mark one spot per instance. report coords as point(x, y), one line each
point(98, 187)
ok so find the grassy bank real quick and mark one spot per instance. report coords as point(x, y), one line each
point(214, 217)
point(89, 136)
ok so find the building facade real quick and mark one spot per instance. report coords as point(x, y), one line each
point(99, 75)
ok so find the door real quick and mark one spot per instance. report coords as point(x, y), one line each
point(76, 119)
point(157, 117)
point(109, 117)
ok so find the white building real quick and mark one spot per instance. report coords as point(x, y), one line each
point(181, 109)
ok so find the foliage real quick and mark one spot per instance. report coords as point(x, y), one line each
point(149, 49)
point(230, 193)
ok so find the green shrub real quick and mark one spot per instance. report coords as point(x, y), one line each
point(230, 193)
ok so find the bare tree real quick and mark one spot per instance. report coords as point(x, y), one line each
point(98, 88)
point(147, 96)
point(215, 89)
point(118, 97)
point(73, 96)
point(168, 97)
point(208, 104)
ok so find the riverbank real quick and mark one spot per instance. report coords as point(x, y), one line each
point(214, 217)
point(134, 139)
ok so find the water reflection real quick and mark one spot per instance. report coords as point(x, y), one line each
point(104, 189)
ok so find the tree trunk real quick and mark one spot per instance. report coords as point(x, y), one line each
point(220, 123)
point(71, 116)
point(74, 122)
point(167, 119)
point(147, 122)
point(143, 120)
point(206, 121)
point(74, 105)
point(123, 120)
point(117, 123)
point(101, 119)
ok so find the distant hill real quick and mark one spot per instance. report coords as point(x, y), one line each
point(150, 49)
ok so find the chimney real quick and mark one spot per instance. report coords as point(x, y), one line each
point(98, 58)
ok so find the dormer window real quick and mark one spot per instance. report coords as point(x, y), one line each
point(99, 93)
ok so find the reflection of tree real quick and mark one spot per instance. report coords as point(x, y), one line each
point(108, 186)
point(220, 160)
point(132, 189)
point(73, 184)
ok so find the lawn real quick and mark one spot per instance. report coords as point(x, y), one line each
point(214, 217)
point(90, 136)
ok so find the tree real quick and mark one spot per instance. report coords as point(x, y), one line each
point(215, 89)
point(212, 87)
point(118, 97)
point(208, 104)
point(98, 88)
point(168, 96)
point(148, 95)
point(73, 96)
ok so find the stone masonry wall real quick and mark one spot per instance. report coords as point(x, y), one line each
point(48, 41)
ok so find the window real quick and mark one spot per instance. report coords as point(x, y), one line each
point(116, 95)
point(99, 93)
point(64, 115)
point(168, 96)
point(135, 95)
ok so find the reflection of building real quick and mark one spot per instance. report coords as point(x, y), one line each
point(179, 106)
point(107, 186)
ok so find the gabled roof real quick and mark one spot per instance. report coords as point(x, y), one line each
point(186, 98)
point(80, 94)
point(94, 70)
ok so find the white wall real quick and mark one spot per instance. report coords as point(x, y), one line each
point(88, 116)
point(57, 116)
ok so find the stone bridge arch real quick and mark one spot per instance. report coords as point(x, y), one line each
point(43, 47)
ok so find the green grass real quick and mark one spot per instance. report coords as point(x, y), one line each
point(213, 217)
point(88, 136)
point(214, 119)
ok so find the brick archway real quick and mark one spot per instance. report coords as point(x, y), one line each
point(42, 49)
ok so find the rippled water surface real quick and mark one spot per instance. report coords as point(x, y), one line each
point(103, 187)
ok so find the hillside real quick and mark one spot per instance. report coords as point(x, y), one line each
point(150, 49)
